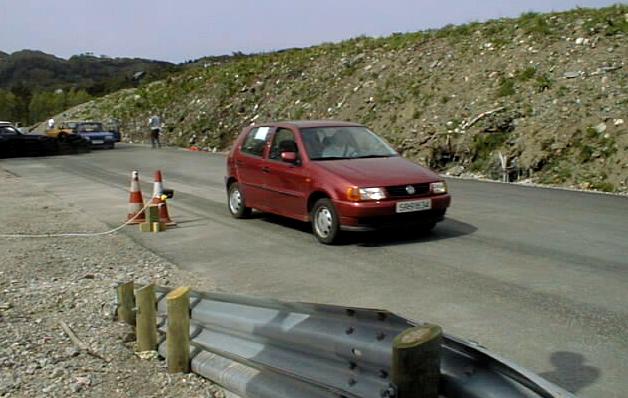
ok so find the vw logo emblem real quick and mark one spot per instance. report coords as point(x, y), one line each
point(410, 190)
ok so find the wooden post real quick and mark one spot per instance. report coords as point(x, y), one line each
point(153, 214)
point(126, 303)
point(416, 362)
point(178, 330)
point(146, 318)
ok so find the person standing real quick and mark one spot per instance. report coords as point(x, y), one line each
point(154, 123)
point(51, 124)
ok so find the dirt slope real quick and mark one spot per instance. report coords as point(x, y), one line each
point(556, 84)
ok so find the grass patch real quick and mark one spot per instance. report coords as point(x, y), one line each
point(483, 147)
point(526, 74)
point(506, 87)
point(544, 82)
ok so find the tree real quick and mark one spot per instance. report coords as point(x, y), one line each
point(8, 106)
point(23, 95)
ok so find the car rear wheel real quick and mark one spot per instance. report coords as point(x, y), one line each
point(325, 222)
point(236, 204)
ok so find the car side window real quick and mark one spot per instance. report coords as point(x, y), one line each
point(255, 140)
point(283, 141)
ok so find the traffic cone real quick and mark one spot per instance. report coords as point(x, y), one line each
point(136, 201)
point(159, 199)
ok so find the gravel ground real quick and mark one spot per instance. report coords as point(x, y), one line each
point(45, 281)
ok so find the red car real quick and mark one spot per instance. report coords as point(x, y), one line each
point(336, 175)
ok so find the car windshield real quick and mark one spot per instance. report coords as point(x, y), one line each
point(329, 143)
point(89, 127)
point(8, 130)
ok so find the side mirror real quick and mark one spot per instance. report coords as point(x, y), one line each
point(289, 157)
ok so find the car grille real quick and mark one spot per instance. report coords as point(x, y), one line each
point(400, 190)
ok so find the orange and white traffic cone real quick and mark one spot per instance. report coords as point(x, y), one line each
point(159, 199)
point(136, 201)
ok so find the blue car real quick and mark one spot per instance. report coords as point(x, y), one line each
point(96, 134)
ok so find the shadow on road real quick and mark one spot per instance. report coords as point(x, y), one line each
point(571, 371)
point(448, 229)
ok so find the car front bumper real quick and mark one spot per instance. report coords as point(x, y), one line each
point(101, 143)
point(366, 216)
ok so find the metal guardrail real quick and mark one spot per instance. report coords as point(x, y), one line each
point(260, 348)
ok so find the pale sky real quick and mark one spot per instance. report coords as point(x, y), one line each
point(188, 29)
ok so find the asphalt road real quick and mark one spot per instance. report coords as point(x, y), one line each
point(539, 276)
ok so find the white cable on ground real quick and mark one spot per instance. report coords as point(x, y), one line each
point(80, 234)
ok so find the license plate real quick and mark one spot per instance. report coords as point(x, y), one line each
point(413, 205)
point(98, 142)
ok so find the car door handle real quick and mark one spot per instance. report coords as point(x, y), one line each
point(239, 162)
point(265, 170)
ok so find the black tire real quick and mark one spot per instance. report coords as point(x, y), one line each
point(235, 202)
point(325, 221)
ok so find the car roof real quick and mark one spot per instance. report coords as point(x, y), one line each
point(311, 123)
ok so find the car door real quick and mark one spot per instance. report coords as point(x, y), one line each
point(249, 161)
point(286, 183)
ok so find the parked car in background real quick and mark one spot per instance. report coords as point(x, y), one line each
point(62, 129)
point(14, 143)
point(336, 175)
point(96, 134)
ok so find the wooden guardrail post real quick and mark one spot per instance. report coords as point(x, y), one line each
point(416, 362)
point(126, 303)
point(146, 329)
point(178, 330)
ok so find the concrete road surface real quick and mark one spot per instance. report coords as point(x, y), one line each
point(539, 276)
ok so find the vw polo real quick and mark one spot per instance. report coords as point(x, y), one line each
point(339, 176)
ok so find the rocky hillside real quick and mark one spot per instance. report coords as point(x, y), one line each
point(542, 97)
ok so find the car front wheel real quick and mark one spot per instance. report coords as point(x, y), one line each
point(236, 204)
point(325, 222)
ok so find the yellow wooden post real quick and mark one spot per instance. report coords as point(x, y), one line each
point(178, 330)
point(126, 303)
point(416, 362)
point(146, 318)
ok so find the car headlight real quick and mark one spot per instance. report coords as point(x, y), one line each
point(355, 194)
point(438, 187)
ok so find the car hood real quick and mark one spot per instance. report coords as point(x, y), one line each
point(378, 171)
